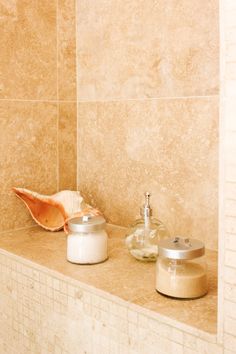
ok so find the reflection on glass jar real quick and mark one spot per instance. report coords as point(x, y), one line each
point(181, 268)
point(145, 233)
point(87, 240)
point(143, 239)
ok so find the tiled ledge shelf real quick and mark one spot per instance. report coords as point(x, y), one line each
point(119, 292)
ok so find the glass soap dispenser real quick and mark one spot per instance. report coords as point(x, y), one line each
point(145, 233)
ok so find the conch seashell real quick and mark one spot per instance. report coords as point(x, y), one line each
point(52, 212)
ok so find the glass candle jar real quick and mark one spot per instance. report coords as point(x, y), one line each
point(181, 268)
point(87, 240)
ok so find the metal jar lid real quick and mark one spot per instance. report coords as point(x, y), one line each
point(86, 223)
point(181, 248)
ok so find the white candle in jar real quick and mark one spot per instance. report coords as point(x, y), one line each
point(87, 240)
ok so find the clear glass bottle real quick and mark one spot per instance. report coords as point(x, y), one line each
point(181, 268)
point(145, 233)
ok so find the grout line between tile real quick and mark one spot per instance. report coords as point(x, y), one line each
point(57, 51)
point(58, 109)
point(36, 101)
point(57, 158)
point(108, 100)
point(118, 226)
point(148, 99)
point(76, 78)
point(18, 229)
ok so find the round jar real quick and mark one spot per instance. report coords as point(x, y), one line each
point(144, 234)
point(181, 268)
point(87, 240)
point(143, 237)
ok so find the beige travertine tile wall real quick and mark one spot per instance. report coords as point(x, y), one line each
point(148, 79)
point(227, 244)
point(37, 102)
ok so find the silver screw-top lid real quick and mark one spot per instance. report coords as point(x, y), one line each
point(146, 210)
point(87, 223)
point(181, 248)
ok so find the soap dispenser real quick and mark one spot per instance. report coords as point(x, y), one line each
point(145, 233)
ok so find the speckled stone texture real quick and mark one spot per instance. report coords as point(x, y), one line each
point(38, 124)
point(42, 311)
point(67, 138)
point(168, 147)
point(28, 155)
point(66, 50)
point(27, 66)
point(134, 49)
point(121, 276)
point(148, 82)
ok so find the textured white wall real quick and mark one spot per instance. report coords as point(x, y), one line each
point(227, 239)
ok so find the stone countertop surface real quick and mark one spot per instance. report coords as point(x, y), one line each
point(121, 275)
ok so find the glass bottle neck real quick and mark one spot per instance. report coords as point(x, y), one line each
point(147, 221)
